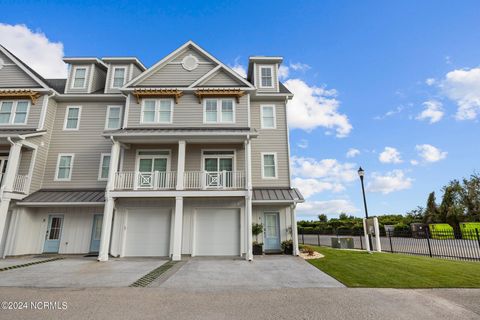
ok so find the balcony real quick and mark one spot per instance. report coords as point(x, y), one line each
point(193, 180)
point(20, 184)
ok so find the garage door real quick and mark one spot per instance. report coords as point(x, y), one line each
point(217, 232)
point(148, 233)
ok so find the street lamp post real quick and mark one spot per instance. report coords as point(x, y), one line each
point(361, 174)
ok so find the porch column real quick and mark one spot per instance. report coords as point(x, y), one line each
point(181, 165)
point(109, 203)
point(294, 230)
point(248, 199)
point(177, 229)
point(7, 185)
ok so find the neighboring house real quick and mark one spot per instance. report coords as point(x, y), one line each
point(178, 159)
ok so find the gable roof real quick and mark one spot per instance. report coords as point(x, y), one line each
point(218, 70)
point(171, 56)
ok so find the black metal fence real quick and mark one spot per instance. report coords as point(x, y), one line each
point(460, 245)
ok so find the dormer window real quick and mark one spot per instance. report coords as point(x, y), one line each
point(79, 78)
point(118, 79)
point(266, 76)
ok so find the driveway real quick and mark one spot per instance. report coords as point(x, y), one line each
point(78, 272)
point(263, 273)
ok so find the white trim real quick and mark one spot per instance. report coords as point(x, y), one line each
point(74, 71)
point(66, 118)
point(72, 155)
point(102, 156)
point(260, 66)
point(263, 165)
point(249, 116)
point(262, 106)
point(275, 202)
point(220, 156)
point(126, 112)
point(43, 113)
point(108, 117)
point(30, 169)
point(13, 112)
point(156, 156)
point(178, 193)
point(206, 76)
point(219, 111)
point(90, 81)
point(124, 67)
point(157, 111)
point(289, 167)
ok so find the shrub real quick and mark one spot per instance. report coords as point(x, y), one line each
point(307, 249)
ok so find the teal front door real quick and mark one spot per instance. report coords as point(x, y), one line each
point(96, 232)
point(54, 233)
point(271, 232)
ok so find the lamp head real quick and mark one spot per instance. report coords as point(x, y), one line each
point(361, 172)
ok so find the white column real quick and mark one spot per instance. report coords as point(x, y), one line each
point(365, 233)
point(177, 229)
point(377, 234)
point(248, 199)
point(294, 230)
point(181, 165)
point(109, 203)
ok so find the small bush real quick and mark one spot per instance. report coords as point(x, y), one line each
point(307, 249)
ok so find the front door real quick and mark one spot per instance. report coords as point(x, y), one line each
point(54, 233)
point(96, 233)
point(152, 168)
point(271, 232)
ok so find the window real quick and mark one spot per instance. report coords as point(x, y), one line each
point(269, 165)
point(72, 118)
point(114, 116)
point(118, 79)
point(157, 111)
point(14, 112)
point(268, 119)
point(266, 77)
point(64, 167)
point(79, 77)
point(219, 111)
point(104, 166)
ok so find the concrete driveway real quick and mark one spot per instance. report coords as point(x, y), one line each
point(263, 273)
point(78, 272)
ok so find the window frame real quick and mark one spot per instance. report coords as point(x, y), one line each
point(57, 169)
point(74, 72)
point(66, 118)
point(113, 76)
point(13, 112)
point(102, 156)
point(219, 106)
point(260, 85)
point(262, 123)
point(108, 117)
point(157, 111)
point(275, 163)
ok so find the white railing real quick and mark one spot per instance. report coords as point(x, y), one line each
point(21, 183)
point(214, 180)
point(134, 180)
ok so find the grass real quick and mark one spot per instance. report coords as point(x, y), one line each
point(386, 270)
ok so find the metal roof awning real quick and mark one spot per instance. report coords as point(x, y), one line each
point(64, 197)
point(277, 195)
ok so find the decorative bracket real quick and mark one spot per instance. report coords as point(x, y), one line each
point(155, 93)
point(19, 94)
point(215, 92)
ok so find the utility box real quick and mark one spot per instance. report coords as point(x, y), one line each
point(419, 230)
point(342, 243)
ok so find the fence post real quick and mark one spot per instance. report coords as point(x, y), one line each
point(303, 237)
point(390, 239)
point(318, 235)
point(478, 237)
point(361, 242)
point(428, 242)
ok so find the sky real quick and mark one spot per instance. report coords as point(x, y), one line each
point(392, 86)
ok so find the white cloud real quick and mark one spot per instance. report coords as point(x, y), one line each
point(414, 162)
point(390, 155)
point(463, 87)
point(310, 186)
point(430, 81)
point(327, 169)
point(329, 207)
point(313, 107)
point(303, 144)
point(300, 66)
point(35, 49)
point(283, 72)
point(394, 180)
point(429, 153)
point(433, 111)
point(390, 113)
point(240, 69)
point(352, 153)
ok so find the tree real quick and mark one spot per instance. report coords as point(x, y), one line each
point(451, 209)
point(322, 218)
point(343, 216)
point(257, 228)
point(431, 213)
point(470, 194)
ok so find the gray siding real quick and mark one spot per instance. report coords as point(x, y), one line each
point(68, 86)
point(270, 140)
point(201, 57)
point(98, 81)
point(12, 76)
point(275, 77)
point(173, 74)
point(34, 113)
point(109, 76)
point(25, 157)
point(188, 113)
point(222, 79)
point(87, 144)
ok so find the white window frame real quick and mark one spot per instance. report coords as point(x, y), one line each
point(60, 155)
point(219, 111)
point(113, 76)
point(262, 107)
point(263, 165)
point(138, 157)
point(74, 72)
point(14, 112)
point(232, 156)
point(157, 111)
point(260, 67)
point(102, 156)
point(66, 118)
point(108, 117)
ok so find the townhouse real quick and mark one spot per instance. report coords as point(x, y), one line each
point(122, 160)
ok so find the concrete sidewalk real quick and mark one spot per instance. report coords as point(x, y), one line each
point(311, 303)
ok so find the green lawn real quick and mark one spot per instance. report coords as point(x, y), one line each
point(385, 270)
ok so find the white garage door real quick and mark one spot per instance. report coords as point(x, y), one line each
point(148, 232)
point(217, 232)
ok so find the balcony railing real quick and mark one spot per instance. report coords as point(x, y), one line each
point(214, 180)
point(21, 183)
point(134, 180)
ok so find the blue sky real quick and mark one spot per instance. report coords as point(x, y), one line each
point(372, 65)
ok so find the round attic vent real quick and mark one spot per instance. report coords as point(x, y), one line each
point(2, 63)
point(190, 62)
